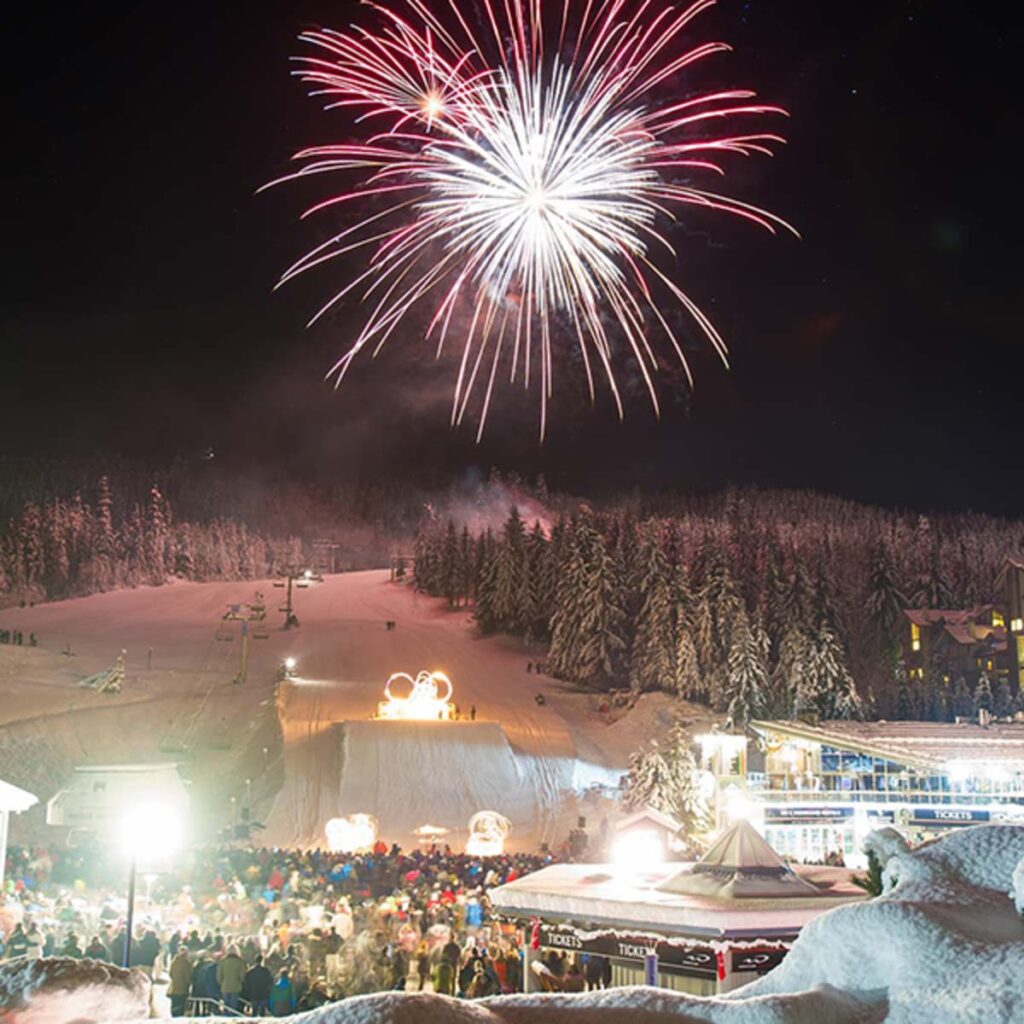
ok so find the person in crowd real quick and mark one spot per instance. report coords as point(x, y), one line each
point(181, 982)
point(231, 973)
point(34, 940)
point(71, 948)
point(443, 980)
point(593, 972)
point(204, 978)
point(117, 947)
point(282, 996)
point(97, 951)
point(573, 980)
point(422, 965)
point(256, 988)
point(148, 949)
point(17, 943)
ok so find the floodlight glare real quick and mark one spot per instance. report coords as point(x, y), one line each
point(638, 849)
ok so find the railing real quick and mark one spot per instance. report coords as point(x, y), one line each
point(760, 785)
point(202, 1006)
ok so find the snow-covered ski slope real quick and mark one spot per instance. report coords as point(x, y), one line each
point(344, 654)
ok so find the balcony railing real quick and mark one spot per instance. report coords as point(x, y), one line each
point(790, 789)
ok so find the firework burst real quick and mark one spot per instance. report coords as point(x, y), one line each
point(521, 173)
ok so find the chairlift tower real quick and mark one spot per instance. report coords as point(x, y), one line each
point(300, 578)
point(253, 619)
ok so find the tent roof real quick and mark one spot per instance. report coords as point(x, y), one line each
point(14, 799)
point(740, 865)
point(665, 821)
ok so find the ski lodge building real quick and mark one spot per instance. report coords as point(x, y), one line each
point(816, 791)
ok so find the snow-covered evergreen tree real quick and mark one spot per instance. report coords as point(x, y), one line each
point(654, 652)
point(983, 694)
point(837, 692)
point(963, 703)
point(747, 676)
point(586, 640)
point(667, 778)
point(1002, 706)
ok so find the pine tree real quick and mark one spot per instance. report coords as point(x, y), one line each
point(963, 704)
point(586, 627)
point(466, 571)
point(983, 694)
point(906, 702)
point(485, 611)
point(747, 678)
point(791, 667)
point(885, 602)
point(667, 779)
point(837, 692)
point(541, 581)
point(688, 682)
point(653, 656)
point(450, 570)
point(1003, 703)
point(157, 528)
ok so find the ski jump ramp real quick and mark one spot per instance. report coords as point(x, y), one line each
point(412, 773)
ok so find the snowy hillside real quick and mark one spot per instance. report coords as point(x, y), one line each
point(179, 701)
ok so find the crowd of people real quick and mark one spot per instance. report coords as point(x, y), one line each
point(275, 931)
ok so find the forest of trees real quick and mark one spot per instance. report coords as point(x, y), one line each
point(775, 604)
point(63, 548)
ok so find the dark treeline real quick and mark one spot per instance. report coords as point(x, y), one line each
point(63, 548)
point(777, 603)
point(65, 532)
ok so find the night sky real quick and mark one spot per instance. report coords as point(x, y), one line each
point(879, 358)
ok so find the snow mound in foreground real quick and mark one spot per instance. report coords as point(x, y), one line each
point(943, 945)
point(61, 989)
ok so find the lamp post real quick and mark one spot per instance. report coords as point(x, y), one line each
point(130, 917)
point(149, 831)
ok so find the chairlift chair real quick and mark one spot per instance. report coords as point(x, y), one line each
point(224, 634)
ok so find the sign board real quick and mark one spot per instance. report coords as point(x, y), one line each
point(694, 961)
point(756, 961)
point(948, 816)
point(807, 815)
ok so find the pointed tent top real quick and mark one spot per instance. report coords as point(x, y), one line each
point(740, 865)
point(741, 847)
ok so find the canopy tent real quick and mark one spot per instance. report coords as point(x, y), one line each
point(740, 865)
point(12, 801)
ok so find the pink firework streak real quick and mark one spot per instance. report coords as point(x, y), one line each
point(519, 168)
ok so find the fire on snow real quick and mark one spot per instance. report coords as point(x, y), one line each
point(423, 701)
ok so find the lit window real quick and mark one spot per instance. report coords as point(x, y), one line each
point(915, 637)
point(1017, 625)
point(997, 618)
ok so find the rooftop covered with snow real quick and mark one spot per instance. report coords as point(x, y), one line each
point(607, 895)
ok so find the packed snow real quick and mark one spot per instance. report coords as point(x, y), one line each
point(61, 989)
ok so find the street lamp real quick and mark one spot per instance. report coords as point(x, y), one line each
point(148, 832)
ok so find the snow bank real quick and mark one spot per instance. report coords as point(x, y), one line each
point(1018, 887)
point(60, 989)
point(943, 944)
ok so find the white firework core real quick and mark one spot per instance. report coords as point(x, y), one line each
point(527, 190)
